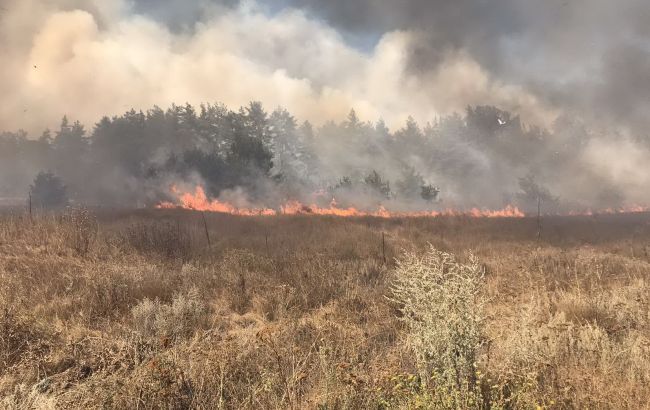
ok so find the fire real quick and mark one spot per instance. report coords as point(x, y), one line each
point(295, 207)
point(199, 201)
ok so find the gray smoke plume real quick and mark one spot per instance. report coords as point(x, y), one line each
point(579, 69)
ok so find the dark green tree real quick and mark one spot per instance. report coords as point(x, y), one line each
point(428, 192)
point(48, 191)
point(410, 184)
point(377, 185)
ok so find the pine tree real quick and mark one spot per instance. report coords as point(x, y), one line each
point(48, 191)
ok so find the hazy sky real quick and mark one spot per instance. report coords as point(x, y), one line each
point(586, 58)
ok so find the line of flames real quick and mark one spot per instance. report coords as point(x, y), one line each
point(199, 201)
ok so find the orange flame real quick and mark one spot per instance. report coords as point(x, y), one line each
point(199, 201)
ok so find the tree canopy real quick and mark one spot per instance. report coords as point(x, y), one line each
point(481, 158)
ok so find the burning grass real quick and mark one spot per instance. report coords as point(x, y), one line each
point(136, 310)
point(198, 201)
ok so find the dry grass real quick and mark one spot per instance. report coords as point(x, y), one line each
point(134, 310)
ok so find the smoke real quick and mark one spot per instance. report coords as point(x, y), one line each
point(586, 57)
point(95, 58)
point(542, 61)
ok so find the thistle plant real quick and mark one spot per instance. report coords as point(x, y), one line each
point(442, 306)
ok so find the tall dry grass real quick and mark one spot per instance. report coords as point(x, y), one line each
point(118, 309)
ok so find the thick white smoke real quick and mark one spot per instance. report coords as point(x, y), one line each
point(89, 59)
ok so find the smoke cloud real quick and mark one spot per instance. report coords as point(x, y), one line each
point(578, 68)
point(103, 58)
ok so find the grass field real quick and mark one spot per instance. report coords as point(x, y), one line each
point(137, 310)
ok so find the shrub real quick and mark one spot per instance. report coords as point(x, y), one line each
point(377, 185)
point(82, 229)
point(429, 192)
point(442, 307)
point(154, 319)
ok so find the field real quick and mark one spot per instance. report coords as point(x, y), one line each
point(173, 309)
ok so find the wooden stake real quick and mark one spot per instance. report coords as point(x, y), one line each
point(539, 217)
point(383, 246)
point(205, 225)
point(30, 205)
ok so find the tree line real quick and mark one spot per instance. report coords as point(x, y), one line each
point(484, 157)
